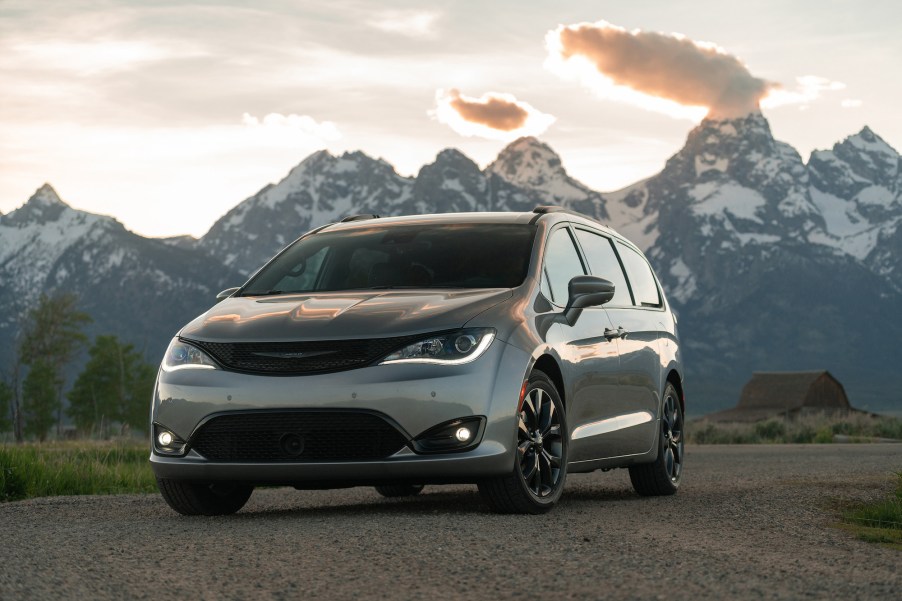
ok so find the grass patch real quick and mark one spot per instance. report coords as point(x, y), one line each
point(880, 521)
point(807, 429)
point(74, 468)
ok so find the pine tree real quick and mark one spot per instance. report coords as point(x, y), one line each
point(41, 400)
point(115, 386)
point(6, 395)
point(51, 337)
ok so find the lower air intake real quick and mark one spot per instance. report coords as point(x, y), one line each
point(298, 436)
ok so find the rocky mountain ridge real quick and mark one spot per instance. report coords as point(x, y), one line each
point(771, 262)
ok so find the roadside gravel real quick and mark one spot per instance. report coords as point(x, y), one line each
point(751, 522)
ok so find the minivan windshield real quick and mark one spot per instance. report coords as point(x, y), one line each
point(459, 255)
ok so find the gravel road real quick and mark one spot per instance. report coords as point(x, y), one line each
point(751, 522)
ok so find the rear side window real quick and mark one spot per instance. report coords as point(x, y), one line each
point(561, 265)
point(644, 287)
point(603, 263)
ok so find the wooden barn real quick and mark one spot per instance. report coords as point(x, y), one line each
point(787, 394)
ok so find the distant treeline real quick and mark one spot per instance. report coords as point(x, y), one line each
point(111, 395)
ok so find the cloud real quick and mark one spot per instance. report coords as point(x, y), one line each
point(300, 124)
point(658, 71)
point(494, 115)
point(414, 24)
point(850, 103)
point(89, 58)
point(808, 89)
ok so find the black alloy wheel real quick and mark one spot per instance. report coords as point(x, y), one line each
point(662, 477)
point(540, 460)
point(539, 442)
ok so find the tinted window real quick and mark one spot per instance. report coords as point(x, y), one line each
point(603, 263)
point(403, 256)
point(644, 288)
point(561, 264)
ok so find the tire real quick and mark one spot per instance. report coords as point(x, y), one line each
point(399, 490)
point(199, 498)
point(662, 477)
point(540, 461)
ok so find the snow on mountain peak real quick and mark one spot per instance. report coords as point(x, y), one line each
point(44, 206)
point(528, 162)
point(46, 195)
point(867, 141)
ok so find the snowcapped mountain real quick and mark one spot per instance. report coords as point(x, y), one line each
point(740, 235)
point(325, 188)
point(537, 171)
point(141, 289)
point(857, 187)
point(771, 263)
point(322, 188)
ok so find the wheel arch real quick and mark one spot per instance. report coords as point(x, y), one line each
point(549, 366)
point(674, 378)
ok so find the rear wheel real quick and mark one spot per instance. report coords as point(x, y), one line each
point(204, 498)
point(399, 490)
point(663, 476)
point(540, 464)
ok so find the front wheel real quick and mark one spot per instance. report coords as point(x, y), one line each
point(540, 464)
point(203, 498)
point(663, 476)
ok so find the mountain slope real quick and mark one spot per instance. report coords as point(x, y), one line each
point(771, 263)
point(742, 245)
point(324, 188)
point(138, 288)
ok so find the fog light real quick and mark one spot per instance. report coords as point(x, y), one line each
point(165, 439)
point(463, 434)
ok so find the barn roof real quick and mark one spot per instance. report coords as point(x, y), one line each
point(769, 394)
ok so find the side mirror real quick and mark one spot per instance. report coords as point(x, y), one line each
point(586, 291)
point(227, 293)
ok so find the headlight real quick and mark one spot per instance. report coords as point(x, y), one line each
point(456, 348)
point(181, 355)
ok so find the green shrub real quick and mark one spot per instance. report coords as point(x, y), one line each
point(880, 521)
point(859, 427)
point(12, 484)
point(771, 431)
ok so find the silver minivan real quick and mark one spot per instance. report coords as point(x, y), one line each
point(501, 349)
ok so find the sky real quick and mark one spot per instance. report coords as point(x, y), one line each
point(167, 114)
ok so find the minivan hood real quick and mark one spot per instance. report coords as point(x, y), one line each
point(330, 315)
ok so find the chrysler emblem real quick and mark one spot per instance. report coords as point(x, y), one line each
point(294, 354)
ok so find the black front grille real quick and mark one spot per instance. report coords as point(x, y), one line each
point(299, 436)
point(302, 357)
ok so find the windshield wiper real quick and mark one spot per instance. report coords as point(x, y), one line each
point(267, 293)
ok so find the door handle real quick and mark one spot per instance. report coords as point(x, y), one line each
point(612, 334)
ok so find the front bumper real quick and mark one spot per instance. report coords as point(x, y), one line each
point(416, 396)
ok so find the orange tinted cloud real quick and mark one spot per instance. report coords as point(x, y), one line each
point(667, 67)
point(493, 115)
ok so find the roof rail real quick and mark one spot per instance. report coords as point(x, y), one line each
point(358, 218)
point(545, 209)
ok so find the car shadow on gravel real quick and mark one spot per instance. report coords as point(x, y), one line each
point(458, 502)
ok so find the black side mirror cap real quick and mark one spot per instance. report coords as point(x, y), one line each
point(586, 291)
